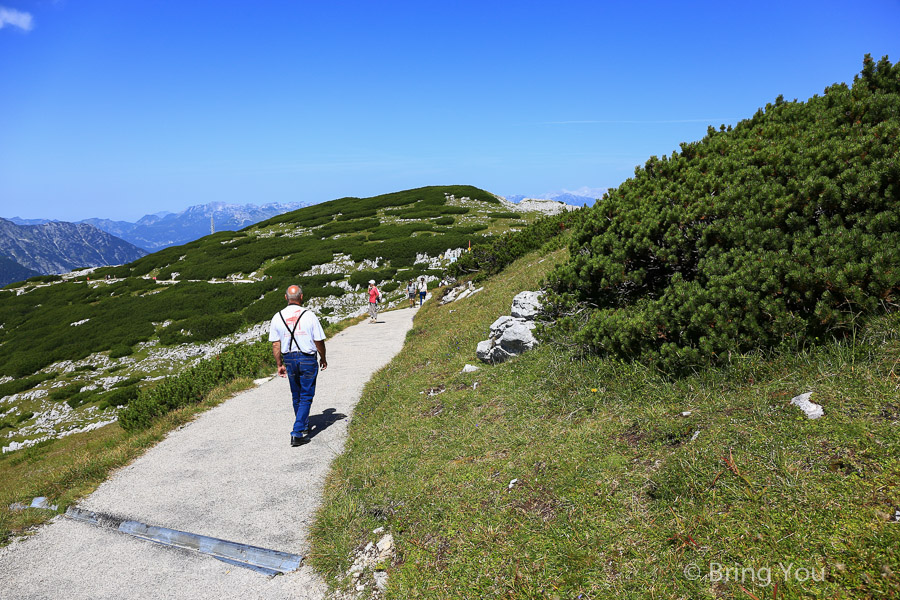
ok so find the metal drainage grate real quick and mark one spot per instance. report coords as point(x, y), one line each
point(263, 560)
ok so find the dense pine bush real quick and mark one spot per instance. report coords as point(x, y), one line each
point(491, 256)
point(192, 385)
point(782, 231)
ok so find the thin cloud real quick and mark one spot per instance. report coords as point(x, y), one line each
point(15, 18)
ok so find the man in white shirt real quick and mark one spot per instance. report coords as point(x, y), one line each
point(296, 336)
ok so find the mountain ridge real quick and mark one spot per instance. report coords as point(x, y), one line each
point(163, 229)
point(59, 247)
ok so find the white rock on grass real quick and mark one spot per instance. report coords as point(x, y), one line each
point(812, 410)
point(526, 305)
point(469, 369)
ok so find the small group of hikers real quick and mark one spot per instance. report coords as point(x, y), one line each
point(297, 337)
point(412, 288)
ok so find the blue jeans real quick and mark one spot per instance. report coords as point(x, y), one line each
point(302, 370)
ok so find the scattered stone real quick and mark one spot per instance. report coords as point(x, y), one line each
point(512, 483)
point(41, 502)
point(385, 545)
point(812, 410)
point(512, 335)
point(526, 305)
point(469, 369)
point(686, 413)
point(381, 580)
point(378, 530)
point(696, 435)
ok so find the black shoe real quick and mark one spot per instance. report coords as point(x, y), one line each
point(299, 441)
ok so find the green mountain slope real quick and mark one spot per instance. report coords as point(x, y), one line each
point(167, 310)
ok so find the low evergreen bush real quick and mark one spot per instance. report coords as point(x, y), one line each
point(193, 385)
point(120, 350)
point(782, 231)
point(493, 255)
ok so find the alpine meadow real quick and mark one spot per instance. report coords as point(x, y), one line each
point(647, 447)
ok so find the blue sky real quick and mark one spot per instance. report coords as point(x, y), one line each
point(121, 108)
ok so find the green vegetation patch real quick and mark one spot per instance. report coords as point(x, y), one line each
point(781, 232)
point(565, 475)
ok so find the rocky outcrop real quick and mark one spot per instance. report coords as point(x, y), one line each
point(512, 335)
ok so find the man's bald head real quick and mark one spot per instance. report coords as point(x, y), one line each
point(294, 294)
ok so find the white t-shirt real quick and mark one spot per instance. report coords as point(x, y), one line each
point(423, 287)
point(308, 330)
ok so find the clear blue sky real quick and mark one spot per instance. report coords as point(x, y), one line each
point(120, 108)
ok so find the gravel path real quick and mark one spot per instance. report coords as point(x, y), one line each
point(230, 474)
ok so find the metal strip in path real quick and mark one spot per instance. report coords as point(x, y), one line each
point(229, 475)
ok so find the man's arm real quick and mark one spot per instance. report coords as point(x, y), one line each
point(320, 346)
point(276, 352)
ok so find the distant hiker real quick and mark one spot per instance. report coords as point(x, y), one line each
point(411, 292)
point(423, 290)
point(374, 297)
point(298, 331)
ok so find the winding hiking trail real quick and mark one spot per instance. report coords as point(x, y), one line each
point(230, 474)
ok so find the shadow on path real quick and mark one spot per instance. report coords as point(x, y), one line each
point(321, 422)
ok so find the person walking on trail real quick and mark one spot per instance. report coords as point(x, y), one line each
point(374, 297)
point(411, 292)
point(423, 290)
point(296, 336)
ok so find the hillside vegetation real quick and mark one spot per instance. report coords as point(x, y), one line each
point(73, 343)
point(781, 232)
point(560, 475)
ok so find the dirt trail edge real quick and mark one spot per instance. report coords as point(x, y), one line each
point(230, 474)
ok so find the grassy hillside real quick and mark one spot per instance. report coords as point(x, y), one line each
point(69, 345)
point(627, 484)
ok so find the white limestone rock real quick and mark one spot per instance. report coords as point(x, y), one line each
point(526, 305)
point(812, 410)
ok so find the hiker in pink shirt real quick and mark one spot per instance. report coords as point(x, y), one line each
point(374, 297)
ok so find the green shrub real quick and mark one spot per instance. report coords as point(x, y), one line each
point(64, 393)
point(444, 221)
point(493, 255)
point(362, 278)
point(120, 350)
point(119, 397)
point(505, 215)
point(202, 328)
point(81, 398)
point(21, 385)
point(24, 417)
point(193, 385)
point(784, 230)
point(44, 279)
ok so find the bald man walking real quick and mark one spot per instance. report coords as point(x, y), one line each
point(296, 336)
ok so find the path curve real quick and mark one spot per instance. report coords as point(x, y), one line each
point(230, 474)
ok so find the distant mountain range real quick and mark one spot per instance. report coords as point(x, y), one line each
point(58, 247)
point(577, 198)
point(164, 229)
